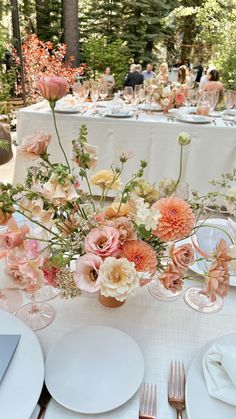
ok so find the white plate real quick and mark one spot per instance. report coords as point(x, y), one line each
point(94, 369)
point(23, 381)
point(67, 110)
point(198, 267)
point(198, 402)
point(152, 108)
point(119, 115)
point(231, 112)
point(193, 119)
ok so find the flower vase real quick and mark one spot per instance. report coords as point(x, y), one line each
point(110, 302)
point(158, 291)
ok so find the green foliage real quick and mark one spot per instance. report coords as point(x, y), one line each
point(99, 54)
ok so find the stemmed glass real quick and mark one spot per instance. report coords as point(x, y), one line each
point(10, 299)
point(103, 91)
point(80, 93)
point(94, 94)
point(128, 93)
point(35, 314)
point(230, 99)
point(213, 98)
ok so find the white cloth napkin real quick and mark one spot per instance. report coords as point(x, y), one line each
point(219, 369)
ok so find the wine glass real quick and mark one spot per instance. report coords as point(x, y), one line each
point(203, 106)
point(230, 99)
point(36, 315)
point(80, 93)
point(103, 91)
point(94, 94)
point(10, 299)
point(213, 98)
point(128, 93)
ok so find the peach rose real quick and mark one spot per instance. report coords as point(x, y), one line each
point(104, 179)
point(34, 145)
point(102, 242)
point(182, 256)
point(31, 270)
point(52, 88)
point(14, 236)
point(125, 228)
point(172, 278)
point(217, 280)
point(86, 272)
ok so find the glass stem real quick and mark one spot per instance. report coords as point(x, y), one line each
point(34, 307)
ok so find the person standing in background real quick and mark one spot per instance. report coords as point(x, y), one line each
point(149, 73)
point(134, 78)
point(163, 74)
point(200, 70)
point(108, 80)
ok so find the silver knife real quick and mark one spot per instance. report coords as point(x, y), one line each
point(8, 345)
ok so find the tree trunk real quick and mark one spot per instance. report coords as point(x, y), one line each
point(40, 4)
point(71, 30)
point(17, 42)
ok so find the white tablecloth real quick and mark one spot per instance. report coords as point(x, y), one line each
point(164, 331)
point(151, 137)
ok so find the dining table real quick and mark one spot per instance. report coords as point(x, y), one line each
point(164, 331)
point(151, 136)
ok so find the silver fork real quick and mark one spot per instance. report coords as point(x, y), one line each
point(176, 387)
point(147, 407)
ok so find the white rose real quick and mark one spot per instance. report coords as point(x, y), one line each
point(118, 278)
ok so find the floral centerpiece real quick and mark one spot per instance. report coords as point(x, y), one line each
point(167, 95)
point(88, 244)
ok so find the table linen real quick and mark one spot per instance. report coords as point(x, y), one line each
point(151, 137)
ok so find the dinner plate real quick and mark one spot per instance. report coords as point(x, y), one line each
point(94, 369)
point(209, 234)
point(199, 404)
point(193, 119)
point(231, 112)
point(71, 110)
point(22, 384)
point(150, 108)
point(119, 115)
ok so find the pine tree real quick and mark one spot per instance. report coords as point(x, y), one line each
point(48, 16)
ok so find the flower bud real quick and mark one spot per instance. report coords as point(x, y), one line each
point(184, 138)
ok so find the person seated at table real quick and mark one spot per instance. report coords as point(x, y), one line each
point(139, 68)
point(134, 78)
point(163, 73)
point(132, 68)
point(108, 80)
point(183, 77)
point(213, 83)
point(149, 73)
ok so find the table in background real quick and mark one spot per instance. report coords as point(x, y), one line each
point(151, 137)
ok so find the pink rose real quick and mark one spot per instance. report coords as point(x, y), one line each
point(182, 256)
point(31, 270)
point(50, 275)
point(14, 236)
point(86, 273)
point(34, 145)
point(172, 278)
point(102, 242)
point(179, 99)
point(52, 88)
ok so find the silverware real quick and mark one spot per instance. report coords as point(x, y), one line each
point(147, 407)
point(214, 121)
point(176, 387)
point(44, 399)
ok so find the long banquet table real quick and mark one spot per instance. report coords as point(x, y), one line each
point(151, 137)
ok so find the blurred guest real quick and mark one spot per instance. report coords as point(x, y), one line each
point(163, 73)
point(183, 77)
point(139, 68)
point(149, 73)
point(213, 83)
point(200, 70)
point(134, 78)
point(108, 80)
point(132, 68)
point(204, 79)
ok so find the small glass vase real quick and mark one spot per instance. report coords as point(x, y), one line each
point(36, 315)
point(195, 299)
point(158, 291)
point(46, 293)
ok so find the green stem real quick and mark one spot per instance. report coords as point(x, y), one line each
point(180, 171)
point(89, 188)
point(52, 105)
